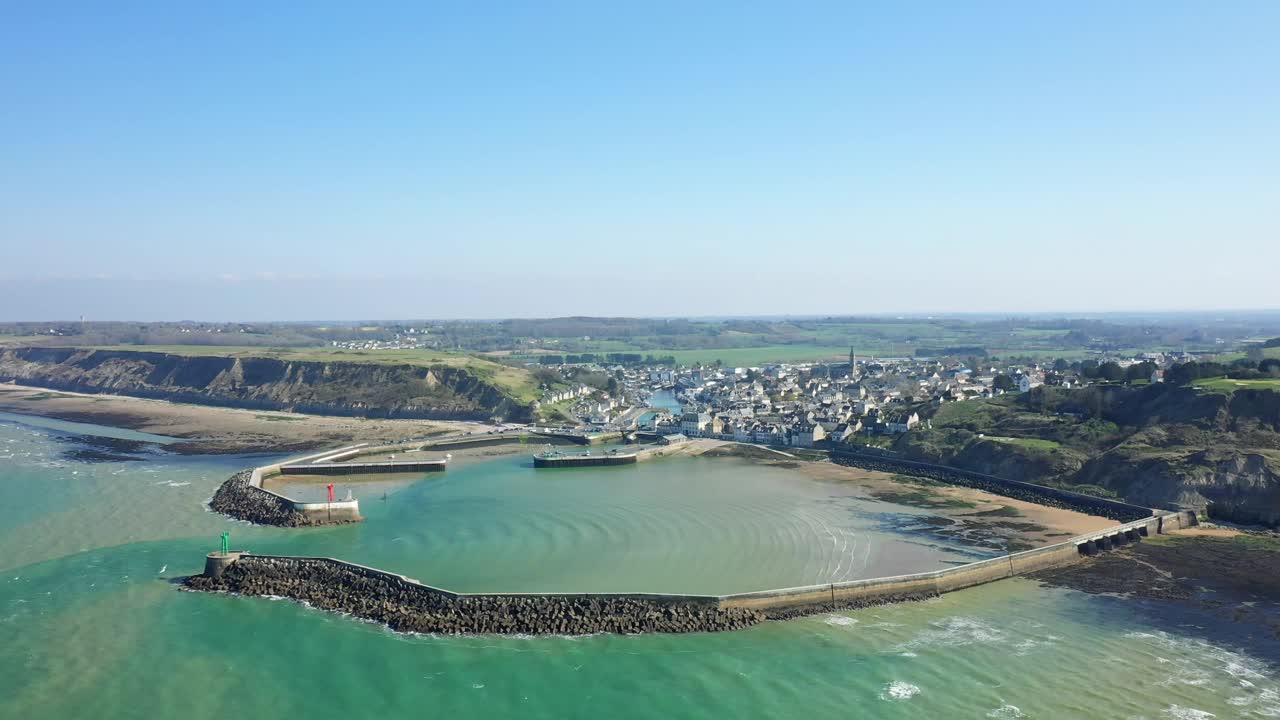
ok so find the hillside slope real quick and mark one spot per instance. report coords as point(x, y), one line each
point(1157, 445)
point(324, 385)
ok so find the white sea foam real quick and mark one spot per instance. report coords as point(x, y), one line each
point(840, 620)
point(955, 632)
point(1194, 677)
point(1023, 647)
point(1272, 706)
point(1006, 711)
point(898, 690)
point(1180, 713)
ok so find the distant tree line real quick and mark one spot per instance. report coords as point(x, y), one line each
point(607, 358)
point(1112, 372)
point(962, 351)
point(1188, 372)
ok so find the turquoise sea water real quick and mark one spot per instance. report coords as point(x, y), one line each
point(92, 626)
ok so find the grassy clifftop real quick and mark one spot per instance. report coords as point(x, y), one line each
point(516, 381)
point(375, 384)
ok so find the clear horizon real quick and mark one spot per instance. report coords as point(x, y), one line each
point(1046, 315)
point(237, 162)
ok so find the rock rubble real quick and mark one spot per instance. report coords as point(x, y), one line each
point(409, 607)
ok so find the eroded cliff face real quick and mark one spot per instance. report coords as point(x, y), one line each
point(325, 388)
point(1176, 447)
point(1230, 484)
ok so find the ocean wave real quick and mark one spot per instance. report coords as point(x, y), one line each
point(1006, 711)
point(899, 690)
point(956, 632)
point(1180, 713)
point(840, 620)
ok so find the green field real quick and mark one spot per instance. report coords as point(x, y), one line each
point(747, 357)
point(517, 381)
point(1227, 385)
point(25, 340)
point(1271, 352)
point(1037, 444)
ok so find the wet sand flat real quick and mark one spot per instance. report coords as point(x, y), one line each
point(217, 430)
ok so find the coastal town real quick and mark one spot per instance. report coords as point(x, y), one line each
point(813, 405)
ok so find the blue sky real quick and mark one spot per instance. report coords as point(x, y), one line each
point(236, 161)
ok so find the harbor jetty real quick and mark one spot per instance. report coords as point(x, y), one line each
point(243, 497)
point(362, 468)
point(551, 458)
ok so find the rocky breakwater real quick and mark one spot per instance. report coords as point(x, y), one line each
point(239, 499)
point(407, 606)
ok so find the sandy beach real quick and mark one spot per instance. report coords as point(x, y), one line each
point(216, 430)
point(954, 497)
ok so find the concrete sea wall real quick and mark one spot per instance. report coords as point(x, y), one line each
point(346, 468)
point(563, 461)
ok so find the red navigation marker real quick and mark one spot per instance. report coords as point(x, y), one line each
point(330, 492)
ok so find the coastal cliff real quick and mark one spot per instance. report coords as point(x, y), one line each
point(322, 387)
point(1158, 445)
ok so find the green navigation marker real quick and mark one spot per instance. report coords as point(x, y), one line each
point(226, 543)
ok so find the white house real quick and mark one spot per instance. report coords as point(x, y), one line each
point(806, 435)
point(1026, 382)
point(693, 424)
point(901, 425)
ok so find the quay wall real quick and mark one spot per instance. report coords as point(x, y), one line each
point(583, 460)
point(349, 468)
point(525, 438)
